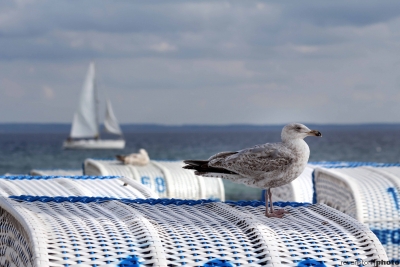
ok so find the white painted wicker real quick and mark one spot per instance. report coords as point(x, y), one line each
point(56, 172)
point(99, 186)
point(80, 231)
point(165, 178)
point(301, 189)
point(368, 193)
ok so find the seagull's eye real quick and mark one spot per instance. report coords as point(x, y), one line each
point(298, 128)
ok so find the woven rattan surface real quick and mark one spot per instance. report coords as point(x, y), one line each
point(56, 172)
point(368, 193)
point(82, 231)
point(100, 186)
point(301, 189)
point(165, 178)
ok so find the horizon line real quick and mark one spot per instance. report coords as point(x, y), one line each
point(203, 124)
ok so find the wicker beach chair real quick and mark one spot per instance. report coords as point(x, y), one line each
point(82, 231)
point(99, 186)
point(301, 189)
point(165, 178)
point(56, 172)
point(368, 193)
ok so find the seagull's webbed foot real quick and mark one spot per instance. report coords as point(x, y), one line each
point(281, 211)
point(270, 212)
point(275, 214)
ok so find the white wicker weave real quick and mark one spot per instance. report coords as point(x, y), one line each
point(99, 186)
point(45, 231)
point(166, 178)
point(56, 172)
point(368, 193)
point(301, 189)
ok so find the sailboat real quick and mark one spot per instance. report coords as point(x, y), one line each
point(85, 127)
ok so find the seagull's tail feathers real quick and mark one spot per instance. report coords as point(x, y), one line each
point(120, 157)
point(195, 162)
point(201, 168)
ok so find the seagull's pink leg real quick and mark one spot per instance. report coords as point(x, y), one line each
point(273, 213)
point(266, 203)
point(271, 205)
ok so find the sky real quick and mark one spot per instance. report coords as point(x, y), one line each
point(203, 62)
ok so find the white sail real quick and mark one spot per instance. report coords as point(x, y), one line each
point(85, 118)
point(110, 121)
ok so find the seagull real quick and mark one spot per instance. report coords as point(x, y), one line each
point(140, 159)
point(263, 166)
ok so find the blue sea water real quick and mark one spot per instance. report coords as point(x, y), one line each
point(21, 152)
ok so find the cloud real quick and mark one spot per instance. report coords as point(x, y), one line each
point(65, 31)
point(163, 47)
point(341, 13)
point(11, 89)
point(48, 92)
point(203, 61)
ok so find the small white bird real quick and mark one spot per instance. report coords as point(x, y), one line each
point(140, 159)
point(264, 166)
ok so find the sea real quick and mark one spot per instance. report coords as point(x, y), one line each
point(25, 148)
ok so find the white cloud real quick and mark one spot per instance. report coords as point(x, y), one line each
point(306, 49)
point(48, 92)
point(260, 5)
point(163, 47)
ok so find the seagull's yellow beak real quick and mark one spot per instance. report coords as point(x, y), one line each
point(314, 133)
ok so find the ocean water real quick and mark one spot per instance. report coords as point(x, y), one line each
point(21, 152)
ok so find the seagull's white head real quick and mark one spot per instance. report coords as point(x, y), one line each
point(297, 131)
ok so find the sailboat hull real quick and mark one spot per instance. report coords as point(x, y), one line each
point(94, 144)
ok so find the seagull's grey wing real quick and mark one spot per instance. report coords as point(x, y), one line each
point(261, 158)
point(222, 155)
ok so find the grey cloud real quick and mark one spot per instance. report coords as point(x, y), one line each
point(111, 17)
point(203, 61)
point(342, 13)
point(205, 29)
